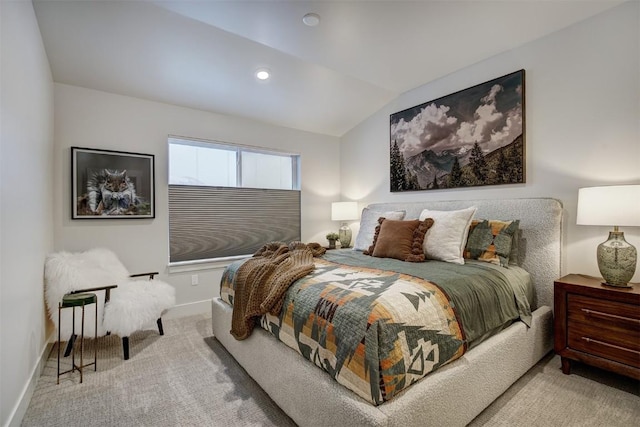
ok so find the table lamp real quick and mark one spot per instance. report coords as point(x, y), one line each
point(617, 205)
point(344, 211)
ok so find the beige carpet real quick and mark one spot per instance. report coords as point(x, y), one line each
point(186, 378)
point(545, 397)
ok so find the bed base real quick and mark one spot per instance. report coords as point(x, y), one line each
point(452, 396)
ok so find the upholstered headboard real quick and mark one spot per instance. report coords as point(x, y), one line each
point(540, 222)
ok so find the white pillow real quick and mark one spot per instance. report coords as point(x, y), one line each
point(368, 223)
point(447, 237)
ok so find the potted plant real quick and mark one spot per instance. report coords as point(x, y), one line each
point(332, 237)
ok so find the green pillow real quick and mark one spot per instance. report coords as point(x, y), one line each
point(491, 241)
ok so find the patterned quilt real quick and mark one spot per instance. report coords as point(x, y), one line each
point(378, 331)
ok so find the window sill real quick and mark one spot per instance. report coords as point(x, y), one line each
point(203, 264)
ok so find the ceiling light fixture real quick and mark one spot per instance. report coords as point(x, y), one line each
point(311, 19)
point(263, 74)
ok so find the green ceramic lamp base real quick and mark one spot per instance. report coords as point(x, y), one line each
point(617, 260)
point(345, 235)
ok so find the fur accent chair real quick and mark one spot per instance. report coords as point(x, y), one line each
point(131, 305)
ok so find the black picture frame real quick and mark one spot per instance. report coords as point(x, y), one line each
point(473, 137)
point(108, 184)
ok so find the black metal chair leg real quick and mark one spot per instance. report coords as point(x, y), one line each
point(69, 347)
point(125, 347)
point(58, 344)
point(160, 329)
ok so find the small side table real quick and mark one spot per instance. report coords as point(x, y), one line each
point(72, 301)
point(596, 324)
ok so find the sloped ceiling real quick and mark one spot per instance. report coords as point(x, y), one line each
point(325, 79)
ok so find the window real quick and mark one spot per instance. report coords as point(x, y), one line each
point(227, 200)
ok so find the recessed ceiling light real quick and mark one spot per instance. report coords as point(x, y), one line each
point(262, 74)
point(311, 19)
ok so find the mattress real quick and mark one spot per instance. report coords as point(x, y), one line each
point(379, 325)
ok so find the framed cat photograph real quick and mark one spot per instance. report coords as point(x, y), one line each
point(111, 184)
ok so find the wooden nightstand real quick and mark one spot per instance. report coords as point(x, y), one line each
point(596, 324)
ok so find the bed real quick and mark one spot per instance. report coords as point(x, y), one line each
point(456, 392)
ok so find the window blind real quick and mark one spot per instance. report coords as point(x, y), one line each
point(215, 222)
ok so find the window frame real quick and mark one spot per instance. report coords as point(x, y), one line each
point(222, 261)
point(239, 149)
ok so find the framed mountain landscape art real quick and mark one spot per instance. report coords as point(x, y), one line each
point(111, 184)
point(470, 138)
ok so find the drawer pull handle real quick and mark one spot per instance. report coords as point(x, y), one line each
point(614, 316)
point(587, 339)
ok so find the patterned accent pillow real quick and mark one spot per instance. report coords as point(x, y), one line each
point(491, 241)
point(368, 223)
point(400, 239)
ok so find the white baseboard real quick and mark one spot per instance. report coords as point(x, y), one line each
point(189, 309)
point(16, 416)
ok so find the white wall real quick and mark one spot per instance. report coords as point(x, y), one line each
point(26, 204)
point(89, 118)
point(582, 125)
point(583, 129)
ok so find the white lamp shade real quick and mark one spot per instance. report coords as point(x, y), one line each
point(344, 211)
point(616, 205)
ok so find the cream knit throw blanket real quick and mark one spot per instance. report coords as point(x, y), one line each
point(262, 281)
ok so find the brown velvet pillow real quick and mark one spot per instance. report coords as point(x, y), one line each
point(401, 240)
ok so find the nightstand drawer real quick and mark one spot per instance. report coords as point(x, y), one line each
point(608, 329)
point(605, 314)
point(620, 347)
